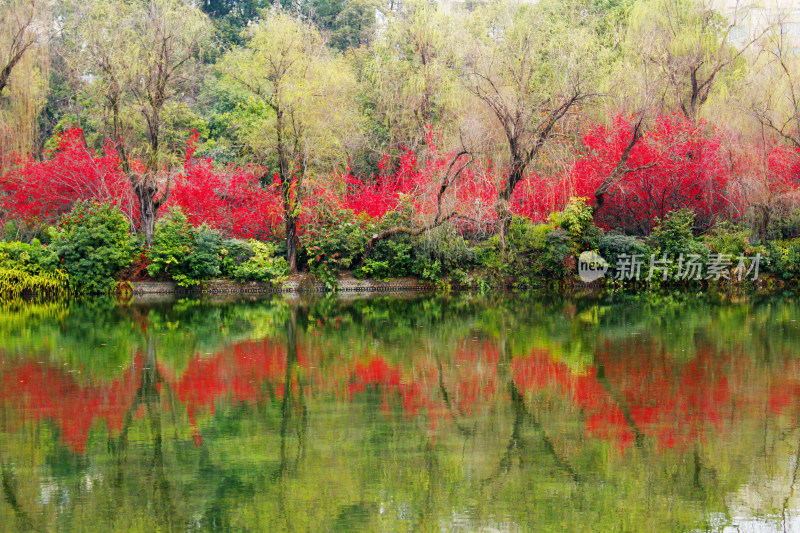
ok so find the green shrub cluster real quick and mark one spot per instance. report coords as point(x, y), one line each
point(534, 254)
point(93, 242)
point(30, 269)
point(783, 259)
point(190, 255)
point(338, 241)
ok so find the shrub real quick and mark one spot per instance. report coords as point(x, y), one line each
point(407, 255)
point(534, 253)
point(783, 259)
point(391, 258)
point(234, 253)
point(336, 242)
point(205, 258)
point(93, 242)
point(30, 268)
point(173, 243)
point(447, 248)
point(263, 265)
point(611, 247)
point(190, 255)
point(787, 225)
point(577, 220)
point(674, 236)
point(728, 238)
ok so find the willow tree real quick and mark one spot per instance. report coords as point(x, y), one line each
point(685, 51)
point(770, 97)
point(531, 65)
point(139, 58)
point(408, 78)
point(296, 113)
point(23, 73)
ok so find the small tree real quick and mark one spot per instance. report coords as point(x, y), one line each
point(531, 66)
point(298, 116)
point(139, 59)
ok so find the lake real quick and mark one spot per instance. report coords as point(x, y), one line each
point(406, 413)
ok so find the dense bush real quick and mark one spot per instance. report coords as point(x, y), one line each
point(190, 255)
point(728, 238)
point(205, 259)
point(577, 220)
point(391, 258)
point(447, 247)
point(786, 226)
point(173, 243)
point(783, 259)
point(611, 247)
point(432, 256)
point(336, 242)
point(93, 242)
point(262, 265)
point(30, 268)
point(235, 253)
point(674, 235)
point(534, 253)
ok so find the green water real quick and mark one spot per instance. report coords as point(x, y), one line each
point(460, 413)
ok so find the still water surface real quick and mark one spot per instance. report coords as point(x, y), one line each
point(460, 413)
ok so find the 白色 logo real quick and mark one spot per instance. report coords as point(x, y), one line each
point(591, 266)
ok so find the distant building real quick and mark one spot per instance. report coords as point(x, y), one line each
point(754, 17)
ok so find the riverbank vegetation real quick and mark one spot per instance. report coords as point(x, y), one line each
point(483, 144)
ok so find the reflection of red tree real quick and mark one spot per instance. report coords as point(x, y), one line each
point(674, 403)
point(638, 390)
point(379, 375)
point(238, 372)
point(785, 393)
point(603, 418)
point(45, 392)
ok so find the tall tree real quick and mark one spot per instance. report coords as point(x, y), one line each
point(298, 117)
point(17, 34)
point(530, 65)
point(139, 58)
point(24, 65)
point(685, 50)
point(769, 158)
point(409, 82)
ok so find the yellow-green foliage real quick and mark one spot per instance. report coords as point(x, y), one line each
point(14, 281)
point(30, 268)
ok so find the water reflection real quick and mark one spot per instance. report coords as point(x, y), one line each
point(426, 414)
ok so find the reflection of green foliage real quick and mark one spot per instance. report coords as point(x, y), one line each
point(309, 461)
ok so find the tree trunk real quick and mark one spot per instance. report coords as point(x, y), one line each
point(763, 226)
point(503, 210)
point(291, 241)
point(148, 207)
point(502, 205)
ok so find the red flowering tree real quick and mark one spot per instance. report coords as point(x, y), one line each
point(674, 165)
point(36, 193)
point(231, 200)
point(767, 183)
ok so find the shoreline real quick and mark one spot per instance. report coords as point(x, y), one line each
point(299, 283)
